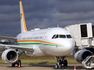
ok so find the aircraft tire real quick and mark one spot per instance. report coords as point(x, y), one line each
point(56, 66)
point(65, 63)
point(60, 66)
point(13, 64)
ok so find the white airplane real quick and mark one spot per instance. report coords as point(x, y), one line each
point(56, 42)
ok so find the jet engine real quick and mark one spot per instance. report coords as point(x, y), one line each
point(82, 54)
point(10, 56)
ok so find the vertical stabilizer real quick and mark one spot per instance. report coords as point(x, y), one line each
point(22, 18)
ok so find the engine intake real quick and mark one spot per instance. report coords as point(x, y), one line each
point(10, 56)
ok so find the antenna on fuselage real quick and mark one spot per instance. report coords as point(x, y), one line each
point(58, 26)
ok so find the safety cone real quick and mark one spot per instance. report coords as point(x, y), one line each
point(74, 67)
point(19, 65)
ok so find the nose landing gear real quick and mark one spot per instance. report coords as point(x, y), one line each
point(60, 62)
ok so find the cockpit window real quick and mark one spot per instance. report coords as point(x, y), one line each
point(53, 36)
point(56, 36)
point(61, 36)
point(68, 36)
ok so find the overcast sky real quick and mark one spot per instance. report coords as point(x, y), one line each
point(44, 14)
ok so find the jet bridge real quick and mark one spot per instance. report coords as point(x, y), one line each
point(82, 33)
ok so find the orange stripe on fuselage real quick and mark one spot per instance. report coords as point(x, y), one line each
point(37, 41)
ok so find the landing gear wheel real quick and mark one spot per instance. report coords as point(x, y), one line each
point(56, 66)
point(13, 64)
point(65, 63)
point(17, 62)
point(60, 61)
point(60, 66)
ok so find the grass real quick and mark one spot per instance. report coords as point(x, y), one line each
point(42, 60)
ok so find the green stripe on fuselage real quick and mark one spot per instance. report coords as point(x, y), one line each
point(37, 44)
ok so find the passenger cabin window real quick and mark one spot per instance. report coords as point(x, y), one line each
point(61, 36)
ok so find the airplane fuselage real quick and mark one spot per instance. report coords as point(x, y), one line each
point(47, 42)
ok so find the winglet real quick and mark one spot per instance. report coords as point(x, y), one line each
point(22, 18)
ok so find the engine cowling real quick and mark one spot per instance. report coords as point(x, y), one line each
point(9, 56)
point(82, 54)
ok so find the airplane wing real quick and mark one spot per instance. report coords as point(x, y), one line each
point(11, 38)
point(24, 48)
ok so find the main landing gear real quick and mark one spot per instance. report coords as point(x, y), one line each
point(60, 61)
point(17, 62)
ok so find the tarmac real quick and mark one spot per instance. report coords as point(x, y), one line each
point(41, 67)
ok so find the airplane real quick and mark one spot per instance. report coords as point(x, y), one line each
point(50, 42)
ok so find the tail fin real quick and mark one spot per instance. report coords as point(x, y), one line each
point(22, 18)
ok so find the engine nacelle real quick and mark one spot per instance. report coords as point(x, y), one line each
point(82, 54)
point(10, 56)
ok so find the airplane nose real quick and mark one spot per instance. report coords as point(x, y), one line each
point(70, 45)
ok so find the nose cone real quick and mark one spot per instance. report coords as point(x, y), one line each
point(69, 46)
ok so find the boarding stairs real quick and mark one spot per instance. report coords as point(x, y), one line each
point(88, 62)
